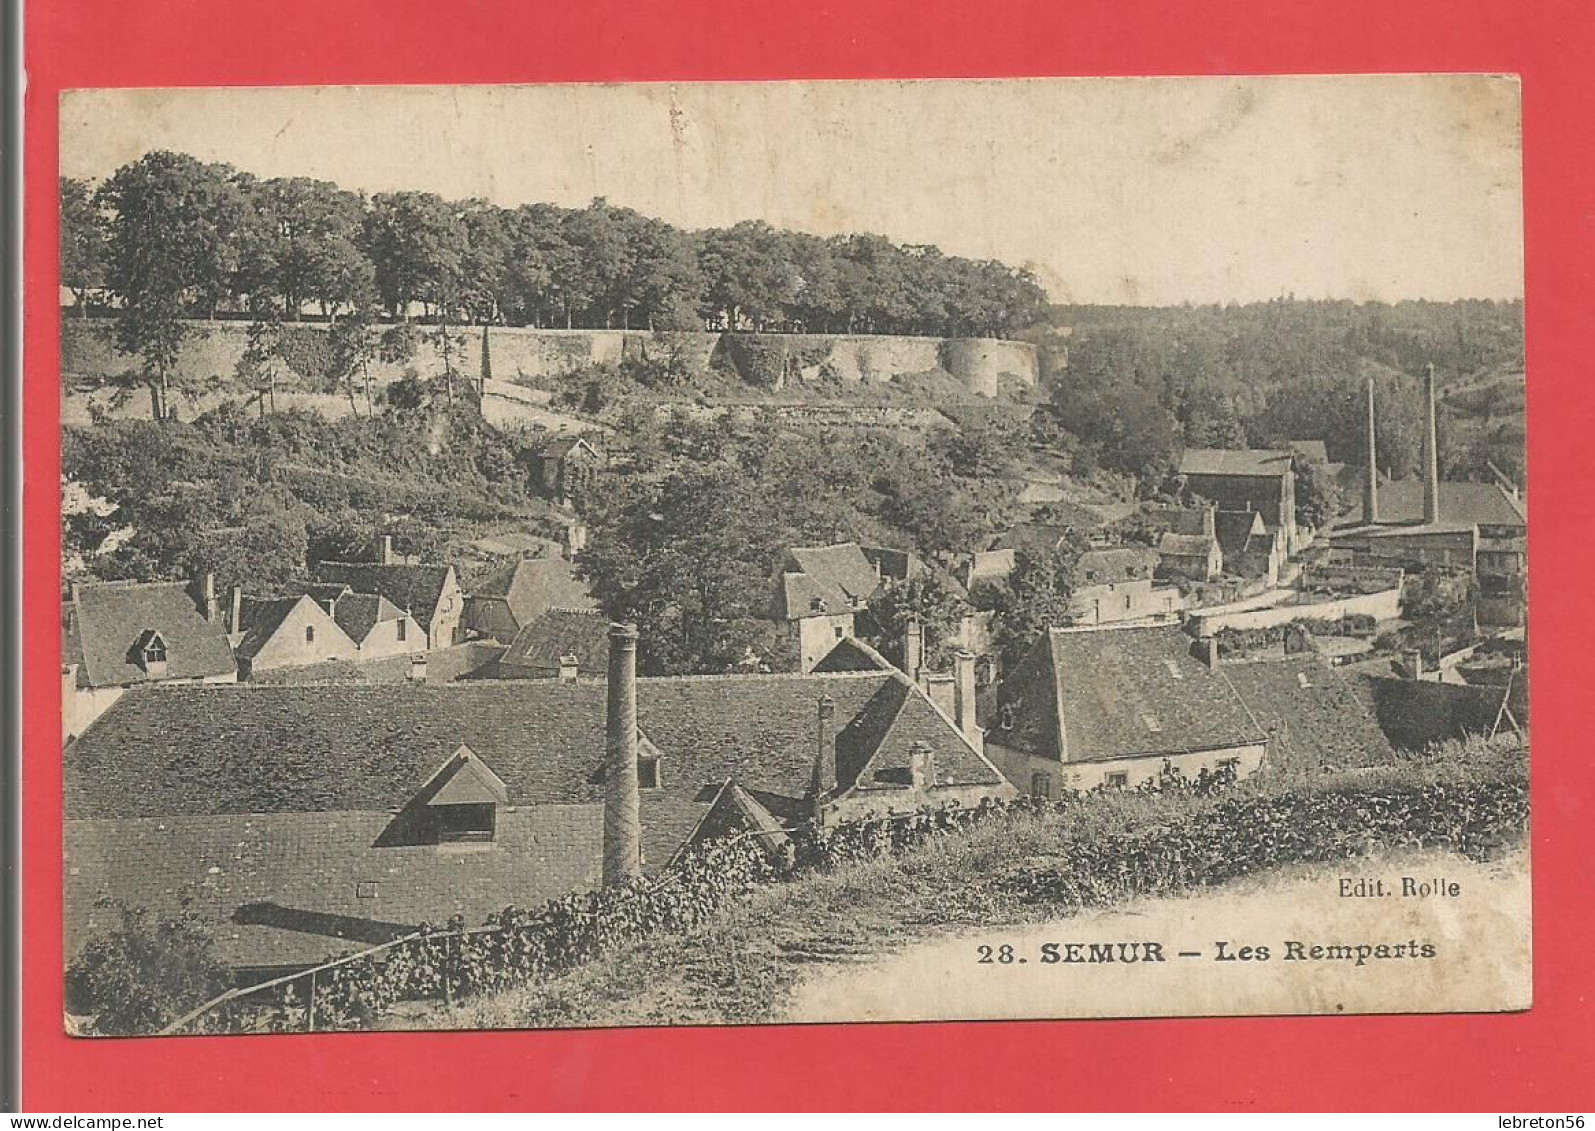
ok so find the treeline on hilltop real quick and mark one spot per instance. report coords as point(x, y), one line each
point(1132, 386)
point(170, 234)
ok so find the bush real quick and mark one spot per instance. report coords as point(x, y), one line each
point(140, 975)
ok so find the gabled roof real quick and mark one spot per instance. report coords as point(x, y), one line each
point(106, 621)
point(532, 585)
point(1241, 533)
point(1097, 694)
point(358, 613)
point(560, 446)
point(465, 780)
point(852, 655)
point(259, 620)
point(1245, 462)
point(272, 749)
point(558, 633)
point(415, 588)
point(1481, 504)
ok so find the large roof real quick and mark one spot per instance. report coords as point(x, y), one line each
point(1315, 716)
point(1246, 462)
point(1116, 563)
point(1480, 504)
point(358, 613)
point(414, 588)
point(839, 574)
point(1095, 694)
point(532, 585)
point(1240, 533)
point(269, 749)
point(104, 622)
point(557, 633)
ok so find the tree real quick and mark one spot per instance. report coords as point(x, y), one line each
point(926, 599)
point(690, 561)
point(142, 972)
point(314, 232)
point(1319, 499)
point(83, 247)
point(167, 255)
point(416, 243)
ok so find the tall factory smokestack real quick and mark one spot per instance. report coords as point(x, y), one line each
point(622, 820)
point(1431, 483)
point(1370, 488)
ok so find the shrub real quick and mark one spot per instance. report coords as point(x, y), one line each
point(140, 975)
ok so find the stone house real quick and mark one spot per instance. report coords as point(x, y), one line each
point(404, 803)
point(123, 634)
point(429, 595)
point(286, 632)
point(1250, 549)
point(1260, 480)
point(1114, 583)
point(1108, 707)
point(820, 592)
point(565, 468)
point(512, 597)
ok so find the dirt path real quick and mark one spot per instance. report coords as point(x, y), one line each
point(1480, 939)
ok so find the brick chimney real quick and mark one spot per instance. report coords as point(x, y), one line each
point(824, 783)
point(418, 668)
point(921, 766)
point(1431, 484)
point(913, 650)
point(1209, 525)
point(1207, 651)
point(1370, 487)
point(569, 665)
point(622, 816)
point(964, 695)
point(386, 553)
point(939, 689)
point(235, 611)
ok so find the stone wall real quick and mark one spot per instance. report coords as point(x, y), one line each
point(541, 358)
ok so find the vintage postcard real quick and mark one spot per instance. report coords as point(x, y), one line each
point(620, 555)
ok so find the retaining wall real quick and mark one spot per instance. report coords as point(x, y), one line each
point(1385, 605)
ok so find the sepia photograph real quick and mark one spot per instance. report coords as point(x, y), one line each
point(611, 555)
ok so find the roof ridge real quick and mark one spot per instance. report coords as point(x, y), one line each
point(133, 583)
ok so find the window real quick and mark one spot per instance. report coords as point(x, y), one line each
point(1229, 763)
point(1152, 724)
point(815, 604)
point(1116, 781)
point(839, 632)
point(1129, 571)
point(155, 650)
point(310, 634)
point(365, 889)
point(648, 773)
point(1090, 575)
point(1040, 785)
point(402, 628)
point(1126, 602)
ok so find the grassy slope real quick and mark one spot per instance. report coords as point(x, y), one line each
point(743, 966)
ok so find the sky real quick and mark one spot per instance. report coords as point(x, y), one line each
point(1142, 191)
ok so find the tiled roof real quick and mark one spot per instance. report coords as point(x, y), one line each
point(1121, 692)
point(358, 613)
point(1034, 537)
point(415, 588)
point(1111, 563)
point(1185, 545)
point(1246, 462)
point(1483, 504)
point(105, 621)
point(852, 655)
point(1315, 716)
point(265, 749)
point(1418, 713)
point(292, 889)
point(557, 633)
point(1240, 533)
point(532, 585)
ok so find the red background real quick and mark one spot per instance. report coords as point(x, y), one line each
point(1538, 1061)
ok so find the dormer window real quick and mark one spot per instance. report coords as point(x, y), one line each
point(648, 772)
point(149, 653)
point(815, 604)
point(465, 824)
point(460, 804)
